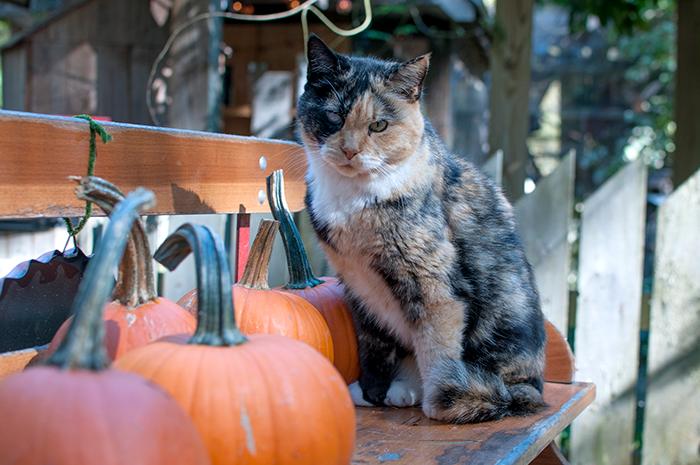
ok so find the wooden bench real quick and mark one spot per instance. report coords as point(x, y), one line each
point(406, 436)
point(193, 172)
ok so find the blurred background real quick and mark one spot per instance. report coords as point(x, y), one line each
point(584, 110)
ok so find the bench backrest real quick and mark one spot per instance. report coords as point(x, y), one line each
point(190, 172)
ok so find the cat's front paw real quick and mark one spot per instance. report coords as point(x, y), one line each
point(357, 396)
point(404, 393)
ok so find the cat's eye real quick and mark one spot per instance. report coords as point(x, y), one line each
point(334, 117)
point(378, 126)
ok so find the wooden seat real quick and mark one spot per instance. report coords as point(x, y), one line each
point(193, 172)
point(406, 436)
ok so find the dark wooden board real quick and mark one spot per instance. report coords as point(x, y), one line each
point(36, 298)
point(407, 437)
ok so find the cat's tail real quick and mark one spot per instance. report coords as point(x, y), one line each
point(462, 393)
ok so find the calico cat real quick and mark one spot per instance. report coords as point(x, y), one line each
point(443, 298)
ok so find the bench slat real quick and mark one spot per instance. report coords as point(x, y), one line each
point(14, 362)
point(406, 436)
point(190, 172)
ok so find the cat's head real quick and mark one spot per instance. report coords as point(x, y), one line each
point(360, 115)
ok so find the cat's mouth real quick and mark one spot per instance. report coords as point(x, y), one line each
point(355, 168)
point(347, 169)
point(352, 171)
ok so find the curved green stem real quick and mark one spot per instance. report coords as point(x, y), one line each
point(83, 346)
point(216, 324)
point(136, 284)
point(300, 274)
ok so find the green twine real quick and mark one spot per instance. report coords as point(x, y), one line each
point(95, 128)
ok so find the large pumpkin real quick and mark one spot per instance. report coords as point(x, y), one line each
point(326, 293)
point(260, 309)
point(262, 399)
point(137, 315)
point(73, 410)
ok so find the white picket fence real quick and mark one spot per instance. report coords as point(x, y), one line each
point(606, 319)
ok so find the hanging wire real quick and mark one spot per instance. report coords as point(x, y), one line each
point(304, 8)
point(457, 31)
point(428, 31)
point(96, 129)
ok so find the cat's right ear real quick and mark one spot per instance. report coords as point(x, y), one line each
point(407, 79)
point(322, 60)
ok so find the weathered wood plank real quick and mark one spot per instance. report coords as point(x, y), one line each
point(672, 415)
point(493, 167)
point(188, 85)
point(544, 219)
point(407, 437)
point(608, 316)
point(14, 79)
point(190, 172)
point(510, 86)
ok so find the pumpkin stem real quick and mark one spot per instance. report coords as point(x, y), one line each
point(300, 274)
point(258, 266)
point(216, 324)
point(136, 282)
point(83, 346)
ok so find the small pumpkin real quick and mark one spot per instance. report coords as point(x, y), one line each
point(73, 410)
point(260, 309)
point(260, 399)
point(137, 315)
point(326, 293)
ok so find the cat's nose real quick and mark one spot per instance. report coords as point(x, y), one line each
point(350, 153)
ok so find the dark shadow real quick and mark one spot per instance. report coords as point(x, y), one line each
point(186, 201)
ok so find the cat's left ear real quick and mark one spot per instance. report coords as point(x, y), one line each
point(407, 79)
point(322, 60)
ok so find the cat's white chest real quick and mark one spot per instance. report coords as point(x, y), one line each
point(341, 205)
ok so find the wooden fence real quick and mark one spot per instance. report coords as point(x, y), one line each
point(611, 258)
point(598, 258)
point(672, 414)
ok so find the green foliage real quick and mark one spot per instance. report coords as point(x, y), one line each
point(626, 16)
point(640, 36)
point(651, 71)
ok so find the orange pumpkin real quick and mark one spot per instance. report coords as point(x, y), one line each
point(74, 410)
point(137, 315)
point(260, 309)
point(260, 399)
point(326, 294)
